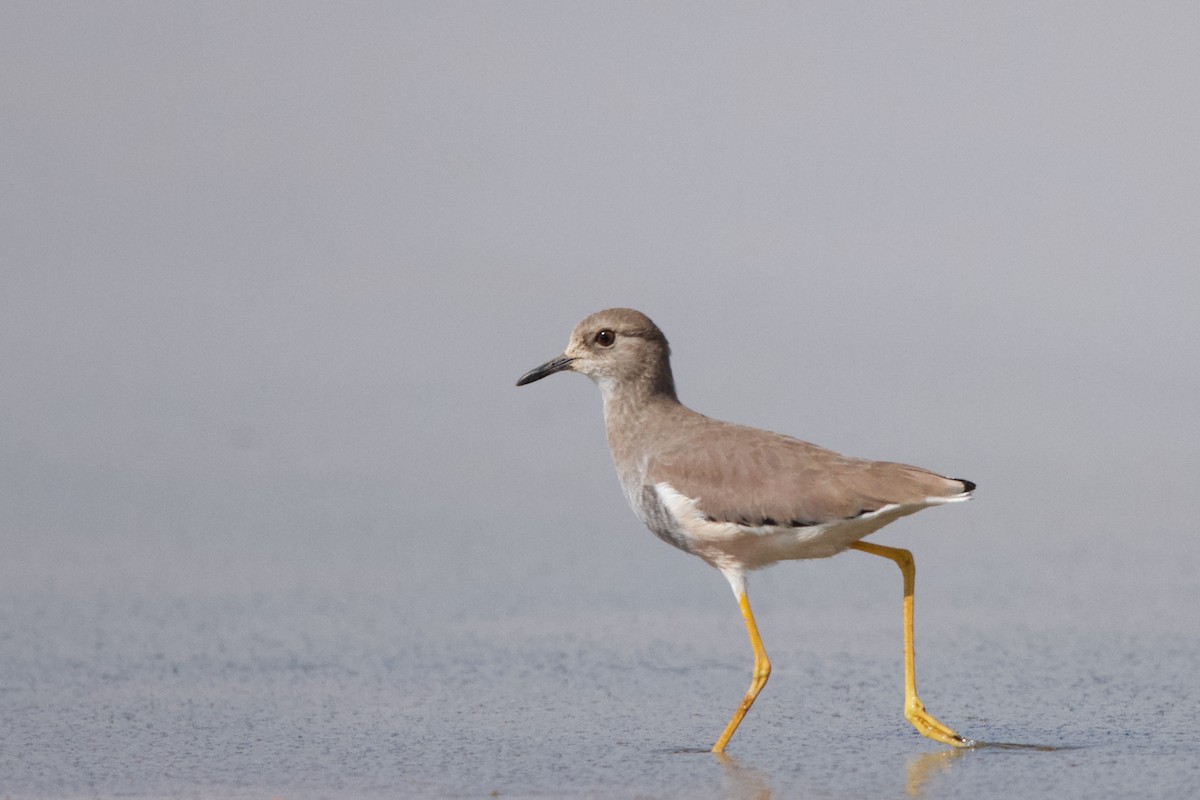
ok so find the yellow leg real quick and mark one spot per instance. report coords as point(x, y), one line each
point(914, 709)
point(762, 671)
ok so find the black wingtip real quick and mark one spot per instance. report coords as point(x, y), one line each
point(968, 486)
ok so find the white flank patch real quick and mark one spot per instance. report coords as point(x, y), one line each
point(684, 509)
point(732, 546)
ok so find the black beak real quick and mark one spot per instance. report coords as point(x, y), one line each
point(549, 368)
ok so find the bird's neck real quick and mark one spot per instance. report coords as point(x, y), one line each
point(633, 398)
point(634, 411)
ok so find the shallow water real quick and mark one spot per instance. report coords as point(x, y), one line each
point(316, 693)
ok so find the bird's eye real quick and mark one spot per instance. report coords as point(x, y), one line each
point(605, 338)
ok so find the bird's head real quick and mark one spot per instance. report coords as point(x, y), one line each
point(616, 348)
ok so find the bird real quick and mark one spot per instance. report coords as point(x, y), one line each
point(743, 498)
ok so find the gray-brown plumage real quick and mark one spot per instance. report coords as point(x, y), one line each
point(740, 498)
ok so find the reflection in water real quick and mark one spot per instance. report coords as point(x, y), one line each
point(921, 768)
point(743, 782)
point(746, 783)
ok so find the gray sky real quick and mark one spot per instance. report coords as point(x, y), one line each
point(269, 272)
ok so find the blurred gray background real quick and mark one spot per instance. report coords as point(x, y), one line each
point(268, 273)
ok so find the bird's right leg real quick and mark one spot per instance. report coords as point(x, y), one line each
point(914, 710)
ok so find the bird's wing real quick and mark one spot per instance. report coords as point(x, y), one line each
point(753, 477)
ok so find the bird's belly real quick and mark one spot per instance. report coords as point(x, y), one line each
point(754, 547)
point(676, 519)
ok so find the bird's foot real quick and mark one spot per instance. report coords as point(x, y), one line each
point(928, 725)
